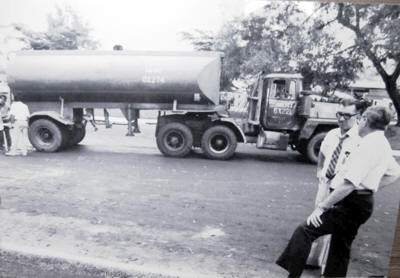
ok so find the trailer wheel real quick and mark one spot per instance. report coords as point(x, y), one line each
point(175, 139)
point(314, 145)
point(77, 135)
point(219, 142)
point(45, 135)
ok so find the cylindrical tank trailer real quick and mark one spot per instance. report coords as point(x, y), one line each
point(116, 76)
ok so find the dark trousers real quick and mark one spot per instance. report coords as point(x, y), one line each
point(342, 222)
point(8, 138)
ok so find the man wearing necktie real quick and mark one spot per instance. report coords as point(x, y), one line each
point(335, 148)
point(351, 184)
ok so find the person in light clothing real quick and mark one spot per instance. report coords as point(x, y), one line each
point(346, 135)
point(19, 117)
point(369, 167)
point(347, 115)
point(5, 137)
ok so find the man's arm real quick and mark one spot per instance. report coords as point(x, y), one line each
point(392, 173)
point(323, 187)
point(342, 191)
point(320, 165)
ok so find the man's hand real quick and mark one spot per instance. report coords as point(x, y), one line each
point(315, 217)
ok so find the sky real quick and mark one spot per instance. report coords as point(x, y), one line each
point(135, 24)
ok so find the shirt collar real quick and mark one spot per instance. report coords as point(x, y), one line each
point(352, 132)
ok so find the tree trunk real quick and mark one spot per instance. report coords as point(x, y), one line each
point(394, 94)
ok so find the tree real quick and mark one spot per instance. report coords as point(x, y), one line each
point(376, 30)
point(279, 38)
point(65, 30)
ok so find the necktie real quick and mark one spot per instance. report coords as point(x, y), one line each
point(330, 172)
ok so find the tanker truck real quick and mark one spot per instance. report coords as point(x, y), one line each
point(58, 87)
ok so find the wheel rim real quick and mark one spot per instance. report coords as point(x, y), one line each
point(219, 143)
point(174, 140)
point(45, 135)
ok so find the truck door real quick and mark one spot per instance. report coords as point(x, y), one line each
point(281, 104)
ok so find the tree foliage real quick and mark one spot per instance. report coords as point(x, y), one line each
point(376, 29)
point(65, 30)
point(280, 38)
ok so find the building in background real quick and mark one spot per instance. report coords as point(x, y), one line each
point(375, 90)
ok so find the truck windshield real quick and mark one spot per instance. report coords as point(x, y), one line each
point(281, 90)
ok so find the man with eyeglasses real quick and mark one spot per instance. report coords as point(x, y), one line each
point(335, 149)
point(350, 201)
point(337, 145)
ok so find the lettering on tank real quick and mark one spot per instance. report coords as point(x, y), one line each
point(153, 76)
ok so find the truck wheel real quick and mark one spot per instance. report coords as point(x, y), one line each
point(314, 146)
point(175, 139)
point(301, 147)
point(78, 134)
point(45, 135)
point(219, 142)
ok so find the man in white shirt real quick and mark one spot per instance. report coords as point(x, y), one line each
point(5, 138)
point(347, 116)
point(350, 203)
point(19, 117)
point(347, 138)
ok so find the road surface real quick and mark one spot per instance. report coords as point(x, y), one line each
point(115, 207)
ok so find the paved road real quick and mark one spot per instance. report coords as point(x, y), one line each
point(115, 207)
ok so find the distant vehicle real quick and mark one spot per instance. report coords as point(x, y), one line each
point(58, 86)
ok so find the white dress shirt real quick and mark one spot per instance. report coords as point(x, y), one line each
point(20, 111)
point(330, 143)
point(369, 162)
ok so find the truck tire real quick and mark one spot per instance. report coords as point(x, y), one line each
point(77, 136)
point(45, 135)
point(301, 147)
point(175, 140)
point(219, 142)
point(313, 146)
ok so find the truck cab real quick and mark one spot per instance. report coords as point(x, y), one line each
point(281, 114)
point(281, 101)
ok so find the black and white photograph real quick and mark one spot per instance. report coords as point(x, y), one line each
point(198, 138)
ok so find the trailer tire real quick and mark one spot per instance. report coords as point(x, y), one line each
point(45, 135)
point(314, 145)
point(219, 142)
point(175, 140)
point(77, 135)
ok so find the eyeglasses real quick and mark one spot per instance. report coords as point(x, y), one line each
point(346, 116)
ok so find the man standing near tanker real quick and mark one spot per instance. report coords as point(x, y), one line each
point(349, 204)
point(5, 137)
point(347, 136)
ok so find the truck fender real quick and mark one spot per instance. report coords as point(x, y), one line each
point(50, 114)
point(308, 129)
point(311, 125)
point(235, 128)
